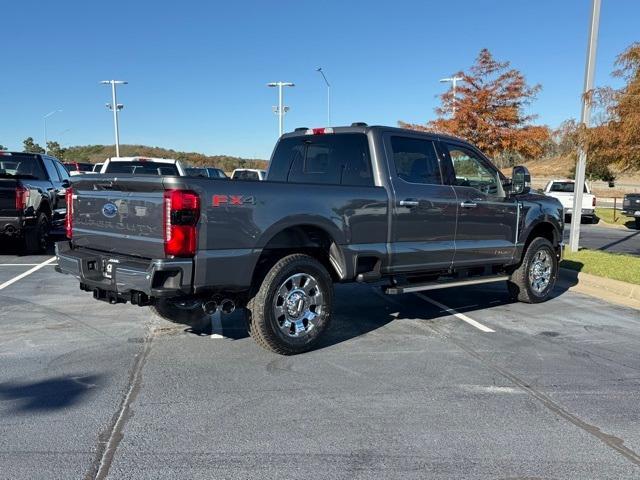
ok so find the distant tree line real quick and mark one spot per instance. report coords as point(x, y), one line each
point(99, 153)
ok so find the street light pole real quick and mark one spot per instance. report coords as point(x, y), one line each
point(319, 69)
point(454, 81)
point(585, 119)
point(44, 120)
point(115, 107)
point(281, 109)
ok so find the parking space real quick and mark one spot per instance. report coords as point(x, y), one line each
point(454, 384)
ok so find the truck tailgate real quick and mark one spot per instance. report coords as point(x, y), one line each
point(8, 197)
point(119, 214)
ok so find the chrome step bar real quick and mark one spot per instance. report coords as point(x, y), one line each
point(421, 287)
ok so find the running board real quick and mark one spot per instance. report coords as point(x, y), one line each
point(421, 287)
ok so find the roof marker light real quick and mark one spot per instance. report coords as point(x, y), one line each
point(319, 131)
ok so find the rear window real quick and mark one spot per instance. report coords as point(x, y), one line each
point(197, 172)
point(564, 187)
point(246, 175)
point(22, 166)
point(334, 159)
point(142, 168)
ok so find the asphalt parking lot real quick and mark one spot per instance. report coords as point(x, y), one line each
point(457, 384)
point(614, 240)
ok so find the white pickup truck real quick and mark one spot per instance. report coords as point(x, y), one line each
point(563, 190)
point(143, 166)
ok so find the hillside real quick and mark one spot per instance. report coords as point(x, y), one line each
point(98, 153)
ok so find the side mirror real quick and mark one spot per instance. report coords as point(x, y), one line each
point(65, 183)
point(520, 180)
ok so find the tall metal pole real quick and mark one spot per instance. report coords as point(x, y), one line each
point(280, 112)
point(44, 120)
point(319, 69)
point(585, 119)
point(115, 107)
point(454, 81)
point(281, 108)
point(115, 116)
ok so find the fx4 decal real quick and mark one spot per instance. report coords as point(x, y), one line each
point(233, 200)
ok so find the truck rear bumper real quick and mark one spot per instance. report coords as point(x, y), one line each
point(587, 212)
point(117, 278)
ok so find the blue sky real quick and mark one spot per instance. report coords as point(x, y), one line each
point(197, 70)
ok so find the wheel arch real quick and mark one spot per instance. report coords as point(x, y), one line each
point(309, 238)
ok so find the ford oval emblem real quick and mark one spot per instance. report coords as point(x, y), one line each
point(109, 210)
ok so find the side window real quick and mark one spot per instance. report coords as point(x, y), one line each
point(51, 170)
point(339, 159)
point(62, 172)
point(416, 160)
point(470, 171)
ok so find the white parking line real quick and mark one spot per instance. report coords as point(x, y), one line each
point(23, 264)
point(459, 315)
point(27, 273)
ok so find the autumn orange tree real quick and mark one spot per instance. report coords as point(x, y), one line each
point(490, 111)
point(615, 139)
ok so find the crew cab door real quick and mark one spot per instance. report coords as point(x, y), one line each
point(487, 217)
point(424, 210)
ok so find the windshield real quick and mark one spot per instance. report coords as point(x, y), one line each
point(22, 166)
point(564, 187)
point(142, 168)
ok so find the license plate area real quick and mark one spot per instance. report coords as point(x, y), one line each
point(108, 267)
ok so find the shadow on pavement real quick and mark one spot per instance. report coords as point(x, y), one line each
point(357, 310)
point(45, 395)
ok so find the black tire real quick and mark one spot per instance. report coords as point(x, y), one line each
point(184, 311)
point(637, 223)
point(273, 333)
point(36, 238)
point(520, 284)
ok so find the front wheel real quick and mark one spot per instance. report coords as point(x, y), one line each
point(292, 306)
point(535, 277)
point(185, 311)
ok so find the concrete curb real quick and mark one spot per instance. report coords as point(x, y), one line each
point(613, 291)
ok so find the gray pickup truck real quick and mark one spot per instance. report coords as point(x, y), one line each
point(412, 211)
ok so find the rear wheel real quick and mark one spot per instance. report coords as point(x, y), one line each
point(536, 276)
point(292, 306)
point(185, 311)
point(36, 238)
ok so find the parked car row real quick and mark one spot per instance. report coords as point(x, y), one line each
point(33, 187)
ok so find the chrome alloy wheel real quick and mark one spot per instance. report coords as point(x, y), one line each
point(540, 271)
point(298, 303)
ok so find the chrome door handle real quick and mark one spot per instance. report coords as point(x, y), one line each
point(468, 204)
point(409, 203)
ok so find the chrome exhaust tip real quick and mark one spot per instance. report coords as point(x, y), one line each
point(227, 306)
point(210, 307)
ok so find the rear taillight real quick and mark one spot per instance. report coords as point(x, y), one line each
point(594, 202)
point(68, 223)
point(22, 198)
point(181, 214)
